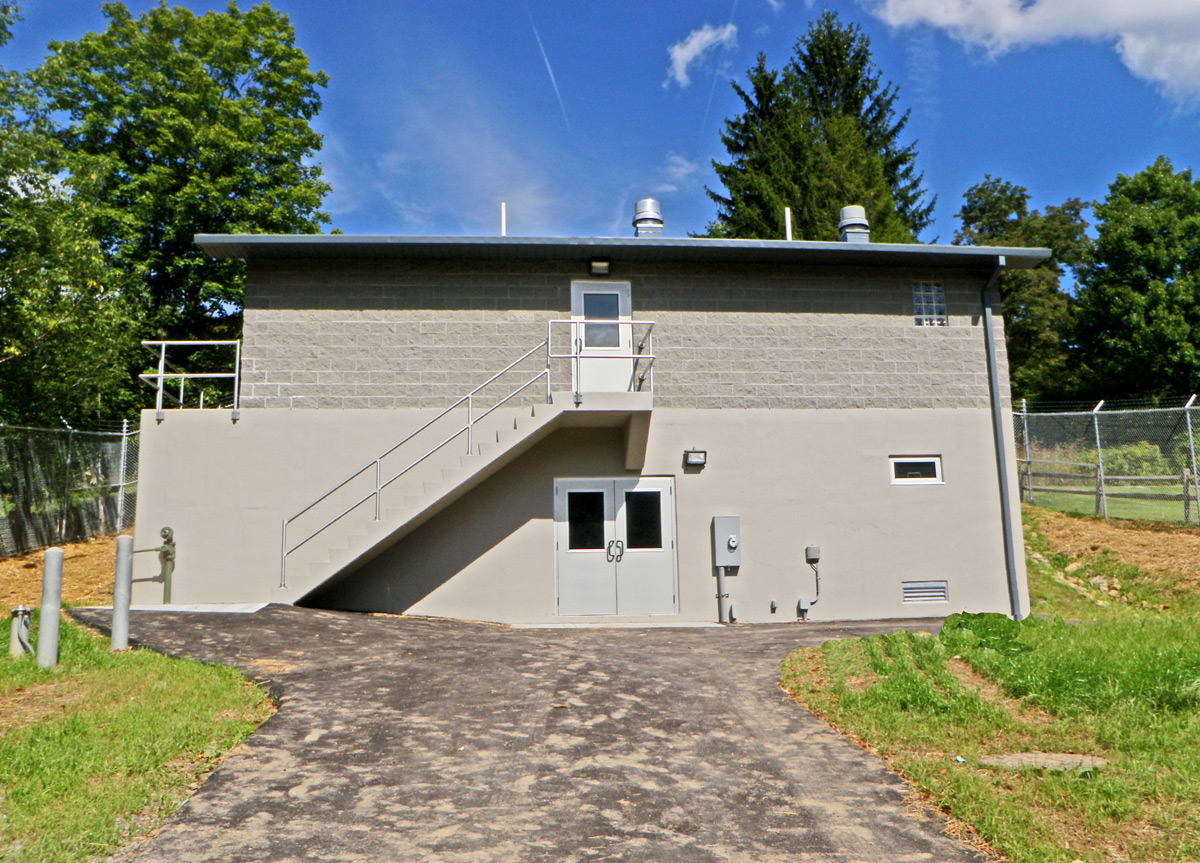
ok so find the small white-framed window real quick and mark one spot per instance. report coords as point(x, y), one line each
point(916, 469)
point(929, 304)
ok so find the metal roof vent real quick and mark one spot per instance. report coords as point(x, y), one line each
point(853, 227)
point(647, 218)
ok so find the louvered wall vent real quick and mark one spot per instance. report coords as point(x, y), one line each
point(925, 591)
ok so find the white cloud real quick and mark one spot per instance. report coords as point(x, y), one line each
point(1158, 40)
point(675, 171)
point(776, 5)
point(694, 47)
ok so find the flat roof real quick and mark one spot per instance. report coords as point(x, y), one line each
point(254, 247)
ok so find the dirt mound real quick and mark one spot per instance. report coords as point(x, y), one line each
point(87, 575)
point(1158, 548)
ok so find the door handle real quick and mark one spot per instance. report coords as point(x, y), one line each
point(608, 552)
point(620, 550)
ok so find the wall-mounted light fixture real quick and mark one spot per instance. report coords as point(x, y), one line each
point(599, 268)
point(695, 457)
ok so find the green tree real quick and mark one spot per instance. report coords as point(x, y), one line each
point(1137, 318)
point(835, 74)
point(1036, 310)
point(816, 136)
point(178, 124)
point(66, 327)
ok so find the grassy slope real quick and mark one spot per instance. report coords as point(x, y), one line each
point(107, 745)
point(1124, 686)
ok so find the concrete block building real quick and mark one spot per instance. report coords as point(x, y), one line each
point(561, 430)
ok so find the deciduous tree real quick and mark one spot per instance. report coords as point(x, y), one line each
point(67, 319)
point(1137, 321)
point(1036, 309)
point(178, 124)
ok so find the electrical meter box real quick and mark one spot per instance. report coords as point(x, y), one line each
point(727, 540)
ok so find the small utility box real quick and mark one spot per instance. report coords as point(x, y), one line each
point(727, 541)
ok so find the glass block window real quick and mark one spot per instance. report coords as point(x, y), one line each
point(929, 304)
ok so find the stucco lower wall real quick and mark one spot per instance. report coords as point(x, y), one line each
point(795, 477)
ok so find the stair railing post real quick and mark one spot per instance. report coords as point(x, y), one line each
point(283, 557)
point(469, 423)
point(158, 395)
point(378, 468)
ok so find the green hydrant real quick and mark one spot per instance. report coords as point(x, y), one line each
point(166, 560)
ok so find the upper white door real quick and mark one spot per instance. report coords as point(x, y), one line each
point(615, 546)
point(605, 350)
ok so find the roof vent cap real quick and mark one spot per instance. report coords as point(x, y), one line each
point(853, 226)
point(647, 218)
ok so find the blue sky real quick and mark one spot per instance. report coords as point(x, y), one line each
point(569, 111)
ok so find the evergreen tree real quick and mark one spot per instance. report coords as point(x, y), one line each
point(1036, 310)
point(834, 72)
point(817, 136)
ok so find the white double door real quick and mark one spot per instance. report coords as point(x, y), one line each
point(615, 546)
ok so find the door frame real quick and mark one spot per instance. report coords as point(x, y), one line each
point(614, 488)
point(605, 369)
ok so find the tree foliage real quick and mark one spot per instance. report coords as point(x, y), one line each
point(1137, 321)
point(178, 124)
point(66, 326)
point(815, 136)
point(1037, 318)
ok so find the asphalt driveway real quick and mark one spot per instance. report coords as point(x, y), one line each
point(403, 739)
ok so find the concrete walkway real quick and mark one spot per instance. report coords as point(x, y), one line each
point(420, 740)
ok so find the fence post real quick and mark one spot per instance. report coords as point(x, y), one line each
point(1187, 496)
point(66, 503)
point(1101, 498)
point(121, 475)
point(1187, 412)
point(1028, 456)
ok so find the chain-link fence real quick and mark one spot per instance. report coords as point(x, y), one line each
point(63, 485)
point(1111, 463)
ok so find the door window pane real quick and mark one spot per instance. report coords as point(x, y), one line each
point(585, 519)
point(605, 307)
point(643, 519)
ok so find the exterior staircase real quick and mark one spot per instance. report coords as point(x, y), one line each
point(374, 507)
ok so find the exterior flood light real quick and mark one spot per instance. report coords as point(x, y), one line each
point(599, 268)
point(695, 457)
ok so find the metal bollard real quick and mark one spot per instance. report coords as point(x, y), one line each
point(18, 634)
point(47, 642)
point(122, 587)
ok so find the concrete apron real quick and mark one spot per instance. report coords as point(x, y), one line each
point(416, 739)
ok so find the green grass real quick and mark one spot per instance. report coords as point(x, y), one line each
point(1085, 504)
point(104, 747)
point(1124, 686)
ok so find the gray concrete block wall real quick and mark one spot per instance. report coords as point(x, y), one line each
point(401, 334)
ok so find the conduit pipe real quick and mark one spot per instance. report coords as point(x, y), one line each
point(1006, 519)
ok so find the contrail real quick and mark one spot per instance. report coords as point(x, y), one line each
point(717, 71)
point(553, 83)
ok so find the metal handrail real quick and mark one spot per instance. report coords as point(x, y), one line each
point(644, 351)
point(376, 462)
point(162, 374)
